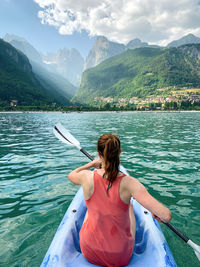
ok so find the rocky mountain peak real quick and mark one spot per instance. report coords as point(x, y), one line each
point(136, 43)
point(68, 63)
point(102, 49)
point(188, 39)
point(10, 37)
point(24, 46)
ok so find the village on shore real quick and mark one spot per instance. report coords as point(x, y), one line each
point(176, 99)
point(166, 99)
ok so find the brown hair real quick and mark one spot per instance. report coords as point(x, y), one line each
point(109, 148)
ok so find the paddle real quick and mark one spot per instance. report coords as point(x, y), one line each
point(195, 247)
point(64, 135)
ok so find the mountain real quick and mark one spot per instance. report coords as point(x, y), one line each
point(136, 43)
point(188, 39)
point(24, 46)
point(101, 50)
point(67, 63)
point(55, 84)
point(140, 72)
point(18, 82)
point(104, 49)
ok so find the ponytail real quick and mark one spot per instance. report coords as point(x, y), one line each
point(109, 147)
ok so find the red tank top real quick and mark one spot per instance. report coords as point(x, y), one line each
point(105, 237)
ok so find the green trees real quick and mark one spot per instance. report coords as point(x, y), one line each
point(17, 81)
point(140, 72)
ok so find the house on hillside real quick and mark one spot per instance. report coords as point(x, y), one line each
point(134, 100)
point(171, 99)
point(13, 103)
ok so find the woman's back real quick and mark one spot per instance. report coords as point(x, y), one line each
point(105, 235)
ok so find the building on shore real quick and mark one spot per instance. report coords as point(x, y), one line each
point(13, 103)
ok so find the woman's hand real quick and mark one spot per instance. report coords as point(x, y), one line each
point(157, 218)
point(78, 175)
point(96, 163)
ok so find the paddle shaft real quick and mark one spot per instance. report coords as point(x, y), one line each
point(176, 231)
point(85, 153)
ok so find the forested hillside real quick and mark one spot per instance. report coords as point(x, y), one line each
point(18, 82)
point(140, 72)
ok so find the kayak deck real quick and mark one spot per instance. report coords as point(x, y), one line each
point(151, 248)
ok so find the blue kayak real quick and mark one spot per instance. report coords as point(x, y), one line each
point(151, 248)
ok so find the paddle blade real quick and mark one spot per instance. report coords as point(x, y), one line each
point(64, 135)
point(198, 254)
point(195, 247)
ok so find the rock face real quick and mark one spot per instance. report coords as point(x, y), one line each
point(68, 63)
point(24, 46)
point(188, 39)
point(19, 58)
point(102, 49)
point(193, 50)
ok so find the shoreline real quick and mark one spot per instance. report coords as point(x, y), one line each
point(106, 111)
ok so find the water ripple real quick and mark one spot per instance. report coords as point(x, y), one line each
point(162, 150)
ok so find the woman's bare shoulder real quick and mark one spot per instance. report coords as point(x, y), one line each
point(87, 174)
point(132, 184)
point(130, 179)
point(87, 184)
point(85, 177)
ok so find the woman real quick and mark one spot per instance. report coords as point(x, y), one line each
point(108, 232)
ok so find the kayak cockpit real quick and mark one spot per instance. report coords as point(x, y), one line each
point(151, 248)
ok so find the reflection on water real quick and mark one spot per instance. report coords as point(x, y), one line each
point(162, 150)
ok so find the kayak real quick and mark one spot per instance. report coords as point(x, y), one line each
point(151, 248)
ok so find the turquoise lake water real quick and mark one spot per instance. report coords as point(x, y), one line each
point(162, 150)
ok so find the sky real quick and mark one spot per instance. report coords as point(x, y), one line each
point(20, 17)
point(52, 24)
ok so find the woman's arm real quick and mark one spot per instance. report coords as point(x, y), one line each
point(140, 193)
point(78, 175)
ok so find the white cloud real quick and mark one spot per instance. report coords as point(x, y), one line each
point(155, 21)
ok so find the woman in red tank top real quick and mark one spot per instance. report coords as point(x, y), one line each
point(108, 232)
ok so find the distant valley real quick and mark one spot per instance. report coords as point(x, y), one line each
point(66, 63)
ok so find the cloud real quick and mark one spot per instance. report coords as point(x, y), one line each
point(154, 21)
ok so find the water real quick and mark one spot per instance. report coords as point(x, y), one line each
point(162, 150)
